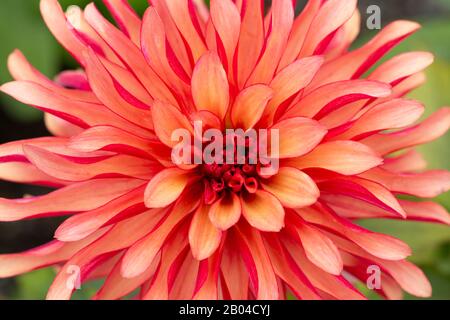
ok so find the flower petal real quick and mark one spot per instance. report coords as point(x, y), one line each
point(56, 21)
point(227, 21)
point(226, 211)
point(139, 257)
point(81, 114)
point(120, 141)
point(410, 161)
point(130, 54)
point(155, 50)
point(249, 106)
point(394, 114)
point(204, 237)
point(363, 189)
point(431, 129)
point(377, 244)
point(298, 136)
point(426, 211)
point(292, 187)
point(402, 66)
point(233, 270)
point(73, 198)
point(59, 127)
point(319, 249)
point(299, 32)
point(281, 20)
point(82, 225)
point(166, 120)
point(165, 187)
point(344, 157)
point(24, 172)
point(121, 165)
point(428, 184)
point(286, 268)
point(263, 211)
point(103, 86)
point(333, 96)
point(188, 25)
point(258, 263)
point(251, 40)
point(175, 39)
point(290, 81)
point(407, 275)
point(210, 88)
point(22, 70)
point(355, 63)
point(335, 286)
point(48, 254)
point(171, 259)
point(126, 18)
point(120, 236)
point(332, 15)
point(116, 286)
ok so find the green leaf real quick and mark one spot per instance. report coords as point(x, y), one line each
point(34, 285)
point(22, 27)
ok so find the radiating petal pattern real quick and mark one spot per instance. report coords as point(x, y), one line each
point(290, 136)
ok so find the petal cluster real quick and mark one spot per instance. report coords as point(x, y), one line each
point(163, 230)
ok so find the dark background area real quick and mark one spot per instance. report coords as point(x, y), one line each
point(22, 27)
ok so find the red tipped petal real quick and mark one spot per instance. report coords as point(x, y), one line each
point(319, 249)
point(258, 263)
point(402, 66)
point(345, 157)
point(333, 96)
point(121, 165)
point(426, 211)
point(393, 114)
point(432, 128)
point(77, 197)
point(332, 15)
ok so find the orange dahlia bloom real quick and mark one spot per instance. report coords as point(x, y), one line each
point(224, 231)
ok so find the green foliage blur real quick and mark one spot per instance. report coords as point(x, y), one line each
point(21, 27)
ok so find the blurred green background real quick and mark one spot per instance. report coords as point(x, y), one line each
point(21, 27)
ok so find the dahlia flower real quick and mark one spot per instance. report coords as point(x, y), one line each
point(165, 230)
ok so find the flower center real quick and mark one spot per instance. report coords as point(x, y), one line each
point(234, 169)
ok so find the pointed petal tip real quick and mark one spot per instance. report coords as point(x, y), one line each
point(263, 211)
point(165, 188)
